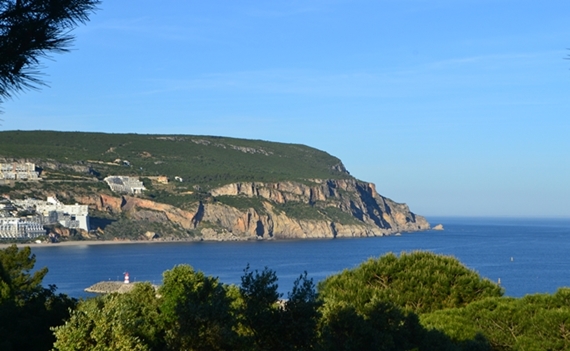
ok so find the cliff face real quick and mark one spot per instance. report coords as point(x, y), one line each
point(336, 208)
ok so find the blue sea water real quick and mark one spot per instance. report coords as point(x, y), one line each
point(527, 255)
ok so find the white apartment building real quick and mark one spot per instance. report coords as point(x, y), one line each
point(52, 211)
point(18, 228)
point(125, 185)
point(18, 171)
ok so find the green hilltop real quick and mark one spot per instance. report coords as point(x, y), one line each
point(203, 160)
point(201, 187)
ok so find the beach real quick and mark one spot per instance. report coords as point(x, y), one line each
point(82, 243)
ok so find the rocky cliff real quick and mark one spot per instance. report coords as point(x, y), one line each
point(212, 188)
point(315, 209)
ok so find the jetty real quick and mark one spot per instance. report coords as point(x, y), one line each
point(107, 287)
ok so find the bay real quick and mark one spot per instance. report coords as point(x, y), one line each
point(527, 255)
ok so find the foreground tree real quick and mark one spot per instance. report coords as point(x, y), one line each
point(114, 322)
point(269, 323)
point(27, 309)
point(30, 30)
point(534, 322)
point(197, 311)
point(418, 282)
point(192, 311)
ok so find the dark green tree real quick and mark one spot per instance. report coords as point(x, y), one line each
point(114, 322)
point(260, 313)
point(30, 30)
point(17, 284)
point(534, 322)
point(27, 309)
point(418, 282)
point(196, 311)
point(300, 315)
point(381, 327)
point(269, 323)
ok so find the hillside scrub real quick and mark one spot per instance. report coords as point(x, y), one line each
point(198, 160)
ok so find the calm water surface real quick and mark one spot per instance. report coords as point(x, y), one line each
point(529, 256)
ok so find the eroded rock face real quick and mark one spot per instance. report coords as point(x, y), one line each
point(371, 214)
point(379, 215)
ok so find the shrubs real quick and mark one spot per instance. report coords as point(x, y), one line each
point(380, 305)
point(195, 312)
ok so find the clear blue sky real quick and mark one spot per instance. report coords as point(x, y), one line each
point(455, 107)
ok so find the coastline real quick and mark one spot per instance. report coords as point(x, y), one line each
point(85, 243)
point(189, 240)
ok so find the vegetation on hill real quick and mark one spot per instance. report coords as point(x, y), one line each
point(216, 188)
point(197, 160)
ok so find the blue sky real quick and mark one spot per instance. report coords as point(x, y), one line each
point(455, 107)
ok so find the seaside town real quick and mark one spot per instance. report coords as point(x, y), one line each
point(27, 218)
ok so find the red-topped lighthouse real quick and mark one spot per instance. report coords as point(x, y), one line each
point(126, 277)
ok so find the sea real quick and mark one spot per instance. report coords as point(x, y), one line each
point(526, 256)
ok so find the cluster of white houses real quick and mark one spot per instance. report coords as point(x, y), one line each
point(27, 218)
point(18, 171)
point(39, 213)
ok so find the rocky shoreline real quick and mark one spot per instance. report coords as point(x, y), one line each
point(172, 240)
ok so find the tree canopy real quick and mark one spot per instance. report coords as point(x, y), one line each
point(418, 282)
point(534, 322)
point(30, 30)
point(27, 309)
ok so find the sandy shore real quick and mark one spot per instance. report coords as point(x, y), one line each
point(88, 243)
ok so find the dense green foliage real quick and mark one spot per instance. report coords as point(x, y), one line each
point(118, 322)
point(534, 322)
point(27, 310)
point(192, 311)
point(197, 311)
point(242, 202)
point(201, 160)
point(418, 282)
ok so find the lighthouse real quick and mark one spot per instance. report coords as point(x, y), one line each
point(126, 278)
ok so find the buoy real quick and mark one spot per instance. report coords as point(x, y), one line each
point(126, 277)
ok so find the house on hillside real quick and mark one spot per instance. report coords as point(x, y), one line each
point(18, 171)
point(125, 185)
point(159, 179)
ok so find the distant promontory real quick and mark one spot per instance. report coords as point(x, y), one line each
point(183, 187)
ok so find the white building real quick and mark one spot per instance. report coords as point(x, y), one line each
point(124, 184)
point(52, 211)
point(17, 228)
point(18, 171)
